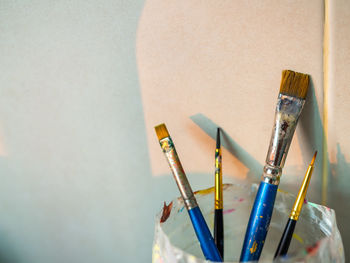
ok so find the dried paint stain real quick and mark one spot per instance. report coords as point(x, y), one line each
point(297, 237)
point(166, 212)
point(204, 191)
point(313, 249)
point(254, 247)
point(282, 191)
point(229, 211)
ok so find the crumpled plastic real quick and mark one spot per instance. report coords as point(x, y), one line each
point(316, 237)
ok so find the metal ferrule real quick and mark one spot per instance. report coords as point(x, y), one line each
point(301, 195)
point(286, 117)
point(218, 180)
point(178, 173)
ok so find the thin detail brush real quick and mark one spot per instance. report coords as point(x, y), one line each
point(290, 102)
point(204, 236)
point(218, 216)
point(286, 238)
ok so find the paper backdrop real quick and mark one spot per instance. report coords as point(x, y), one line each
point(204, 65)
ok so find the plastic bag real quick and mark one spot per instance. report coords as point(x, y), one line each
point(316, 237)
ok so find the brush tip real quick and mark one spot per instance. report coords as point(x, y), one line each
point(294, 84)
point(313, 159)
point(218, 143)
point(161, 131)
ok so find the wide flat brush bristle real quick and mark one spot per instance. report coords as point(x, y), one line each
point(161, 131)
point(294, 84)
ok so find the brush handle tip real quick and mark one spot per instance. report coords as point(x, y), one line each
point(219, 231)
point(204, 236)
point(286, 238)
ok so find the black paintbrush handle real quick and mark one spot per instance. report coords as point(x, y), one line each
point(283, 246)
point(219, 231)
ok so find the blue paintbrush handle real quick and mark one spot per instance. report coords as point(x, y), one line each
point(259, 222)
point(204, 236)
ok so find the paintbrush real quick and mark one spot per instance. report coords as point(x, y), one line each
point(283, 246)
point(290, 102)
point(218, 216)
point(201, 229)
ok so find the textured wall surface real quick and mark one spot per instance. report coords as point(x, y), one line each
point(204, 65)
point(75, 178)
point(82, 83)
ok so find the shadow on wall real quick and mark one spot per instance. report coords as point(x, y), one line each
point(7, 255)
point(334, 184)
point(209, 127)
point(7, 251)
point(340, 196)
point(335, 191)
point(311, 133)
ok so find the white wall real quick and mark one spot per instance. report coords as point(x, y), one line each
point(75, 177)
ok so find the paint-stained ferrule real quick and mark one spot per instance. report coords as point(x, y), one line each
point(298, 204)
point(218, 180)
point(287, 113)
point(178, 172)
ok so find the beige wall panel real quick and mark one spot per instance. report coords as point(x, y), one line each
point(204, 64)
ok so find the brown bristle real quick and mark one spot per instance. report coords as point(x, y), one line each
point(313, 159)
point(294, 84)
point(161, 131)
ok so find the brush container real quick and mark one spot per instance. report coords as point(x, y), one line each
point(316, 237)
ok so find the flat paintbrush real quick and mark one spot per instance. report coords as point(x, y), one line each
point(203, 234)
point(218, 216)
point(283, 246)
point(290, 102)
